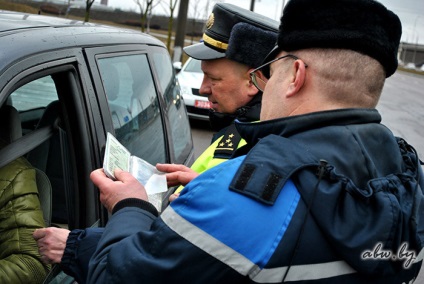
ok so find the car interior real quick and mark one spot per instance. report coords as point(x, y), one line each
point(11, 131)
point(37, 135)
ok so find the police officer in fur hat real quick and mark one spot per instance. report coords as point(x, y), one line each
point(234, 43)
point(324, 193)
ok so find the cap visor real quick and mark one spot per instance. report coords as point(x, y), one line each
point(201, 52)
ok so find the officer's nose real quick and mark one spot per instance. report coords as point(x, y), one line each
point(205, 88)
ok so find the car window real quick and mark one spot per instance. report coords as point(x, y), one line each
point(134, 105)
point(35, 94)
point(193, 65)
point(37, 103)
point(31, 99)
point(177, 115)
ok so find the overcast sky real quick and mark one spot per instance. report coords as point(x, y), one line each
point(411, 12)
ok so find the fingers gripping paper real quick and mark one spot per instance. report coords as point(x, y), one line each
point(118, 157)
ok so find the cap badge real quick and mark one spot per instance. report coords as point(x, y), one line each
point(210, 21)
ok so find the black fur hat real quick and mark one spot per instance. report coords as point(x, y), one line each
point(249, 44)
point(365, 26)
point(237, 34)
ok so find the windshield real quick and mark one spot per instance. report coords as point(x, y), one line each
point(193, 65)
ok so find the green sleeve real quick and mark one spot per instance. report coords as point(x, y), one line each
point(20, 215)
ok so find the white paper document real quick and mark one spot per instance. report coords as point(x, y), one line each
point(117, 156)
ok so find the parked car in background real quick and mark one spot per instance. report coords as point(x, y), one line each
point(190, 78)
point(70, 83)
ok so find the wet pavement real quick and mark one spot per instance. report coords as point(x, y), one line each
point(402, 108)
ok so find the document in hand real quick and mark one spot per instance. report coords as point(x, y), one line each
point(117, 156)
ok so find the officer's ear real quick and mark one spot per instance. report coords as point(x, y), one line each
point(298, 78)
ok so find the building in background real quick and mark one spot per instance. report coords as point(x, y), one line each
point(411, 55)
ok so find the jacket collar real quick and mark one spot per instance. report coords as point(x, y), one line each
point(250, 112)
point(291, 125)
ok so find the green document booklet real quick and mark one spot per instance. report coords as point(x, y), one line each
point(118, 157)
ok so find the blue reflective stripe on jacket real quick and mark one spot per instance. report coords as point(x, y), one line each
point(251, 224)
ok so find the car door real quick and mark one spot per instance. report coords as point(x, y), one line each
point(56, 92)
point(82, 94)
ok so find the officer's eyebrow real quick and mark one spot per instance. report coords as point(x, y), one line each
point(212, 76)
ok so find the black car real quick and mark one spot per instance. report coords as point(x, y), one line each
point(69, 83)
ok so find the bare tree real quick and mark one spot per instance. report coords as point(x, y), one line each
point(206, 11)
point(195, 15)
point(146, 7)
point(68, 8)
point(88, 4)
point(172, 5)
point(149, 17)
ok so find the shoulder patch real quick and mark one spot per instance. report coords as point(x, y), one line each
point(264, 172)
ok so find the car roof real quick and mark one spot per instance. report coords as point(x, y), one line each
point(10, 21)
point(24, 34)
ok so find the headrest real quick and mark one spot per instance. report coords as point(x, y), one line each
point(110, 78)
point(10, 124)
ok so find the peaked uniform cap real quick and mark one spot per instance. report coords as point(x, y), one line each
point(250, 28)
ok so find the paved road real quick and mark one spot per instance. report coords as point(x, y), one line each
point(158, 35)
point(402, 108)
point(202, 135)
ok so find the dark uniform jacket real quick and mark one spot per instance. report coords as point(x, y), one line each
point(330, 197)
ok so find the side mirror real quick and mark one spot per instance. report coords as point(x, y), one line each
point(177, 66)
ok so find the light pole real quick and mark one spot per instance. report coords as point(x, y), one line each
point(405, 47)
point(416, 42)
point(181, 30)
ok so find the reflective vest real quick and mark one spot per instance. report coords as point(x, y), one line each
point(219, 151)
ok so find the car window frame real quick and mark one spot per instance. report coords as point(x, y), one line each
point(190, 156)
point(94, 53)
point(70, 60)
